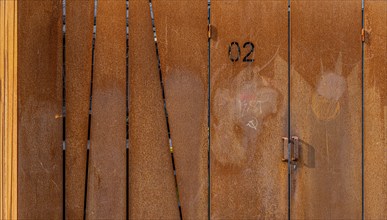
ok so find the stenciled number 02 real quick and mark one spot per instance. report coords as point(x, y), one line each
point(234, 47)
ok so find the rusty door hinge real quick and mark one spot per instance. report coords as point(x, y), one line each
point(286, 147)
point(291, 145)
point(209, 31)
point(295, 148)
point(363, 35)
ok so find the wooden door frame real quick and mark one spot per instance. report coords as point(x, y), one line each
point(8, 109)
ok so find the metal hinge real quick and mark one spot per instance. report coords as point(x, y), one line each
point(209, 31)
point(295, 142)
point(363, 35)
point(285, 147)
point(294, 152)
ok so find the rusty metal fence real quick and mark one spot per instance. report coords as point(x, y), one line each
point(253, 109)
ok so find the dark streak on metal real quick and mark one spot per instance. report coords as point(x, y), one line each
point(165, 108)
point(209, 113)
point(64, 107)
point(362, 112)
point(127, 109)
point(90, 107)
point(289, 108)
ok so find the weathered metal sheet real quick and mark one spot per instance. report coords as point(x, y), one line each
point(40, 162)
point(248, 109)
point(181, 28)
point(106, 198)
point(326, 109)
point(79, 35)
point(375, 110)
point(152, 191)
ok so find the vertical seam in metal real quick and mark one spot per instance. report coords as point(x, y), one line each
point(165, 106)
point(90, 105)
point(64, 107)
point(289, 106)
point(209, 114)
point(362, 115)
point(127, 107)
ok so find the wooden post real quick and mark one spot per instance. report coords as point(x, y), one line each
point(8, 109)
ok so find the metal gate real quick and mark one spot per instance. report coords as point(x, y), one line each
point(256, 109)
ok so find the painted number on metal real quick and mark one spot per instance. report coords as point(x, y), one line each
point(234, 52)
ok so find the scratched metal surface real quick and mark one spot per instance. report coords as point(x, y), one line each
point(79, 35)
point(375, 123)
point(249, 110)
point(182, 36)
point(39, 109)
point(106, 198)
point(326, 109)
point(152, 192)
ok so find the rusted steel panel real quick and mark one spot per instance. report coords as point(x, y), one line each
point(106, 198)
point(40, 161)
point(248, 109)
point(182, 36)
point(375, 110)
point(79, 35)
point(326, 109)
point(152, 192)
